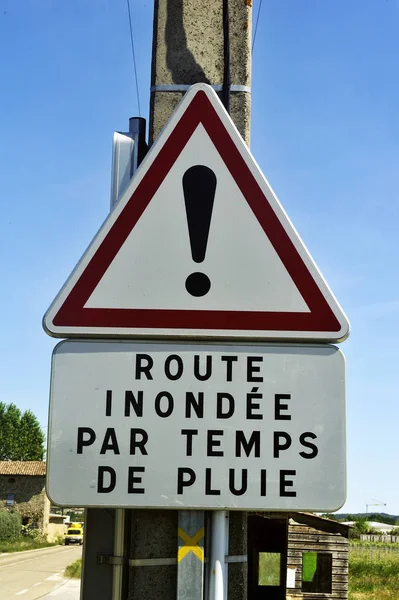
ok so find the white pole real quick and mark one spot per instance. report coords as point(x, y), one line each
point(119, 541)
point(217, 571)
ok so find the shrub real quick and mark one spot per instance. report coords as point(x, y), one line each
point(59, 540)
point(40, 538)
point(28, 531)
point(74, 570)
point(10, 525)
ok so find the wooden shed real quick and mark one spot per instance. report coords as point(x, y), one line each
point(297, 556)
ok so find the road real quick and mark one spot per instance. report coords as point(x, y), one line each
point(37, 573)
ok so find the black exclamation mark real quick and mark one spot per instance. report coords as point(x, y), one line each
point(199, 186)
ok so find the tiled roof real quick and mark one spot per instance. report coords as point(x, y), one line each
point(21, 467)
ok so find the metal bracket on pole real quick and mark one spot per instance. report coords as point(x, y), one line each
point(242, 558)
point(108, 559)
point(152, 562)
point(184, 88)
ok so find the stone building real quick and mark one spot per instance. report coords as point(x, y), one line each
point(22, 485)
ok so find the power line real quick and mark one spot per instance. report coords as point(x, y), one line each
point(133, 55)
point(256, 25)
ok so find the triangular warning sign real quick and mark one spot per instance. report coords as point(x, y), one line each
point(198, 247)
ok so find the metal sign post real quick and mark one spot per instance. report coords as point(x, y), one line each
point(105, 530)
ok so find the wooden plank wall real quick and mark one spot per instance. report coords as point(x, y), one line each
point(303, 538)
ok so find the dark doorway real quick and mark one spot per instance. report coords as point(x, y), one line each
point(267, 558)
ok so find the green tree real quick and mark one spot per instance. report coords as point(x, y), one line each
point(21, 437)
point(10, 431)
point(382, 518)
point(361, 525)
point(31, 441)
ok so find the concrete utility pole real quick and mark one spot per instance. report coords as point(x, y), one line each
point(209, 42)
point(188, 48)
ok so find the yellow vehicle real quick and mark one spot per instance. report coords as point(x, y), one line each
point(74, 535)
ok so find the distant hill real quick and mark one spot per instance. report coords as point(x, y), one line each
point(370, 516)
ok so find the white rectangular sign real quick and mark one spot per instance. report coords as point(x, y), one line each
point(201, 425)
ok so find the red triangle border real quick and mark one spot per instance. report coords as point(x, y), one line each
point(72, 313)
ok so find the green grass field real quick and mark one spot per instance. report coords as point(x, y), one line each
point(373, 574)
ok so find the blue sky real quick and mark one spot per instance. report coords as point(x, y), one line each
point(325, 131)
